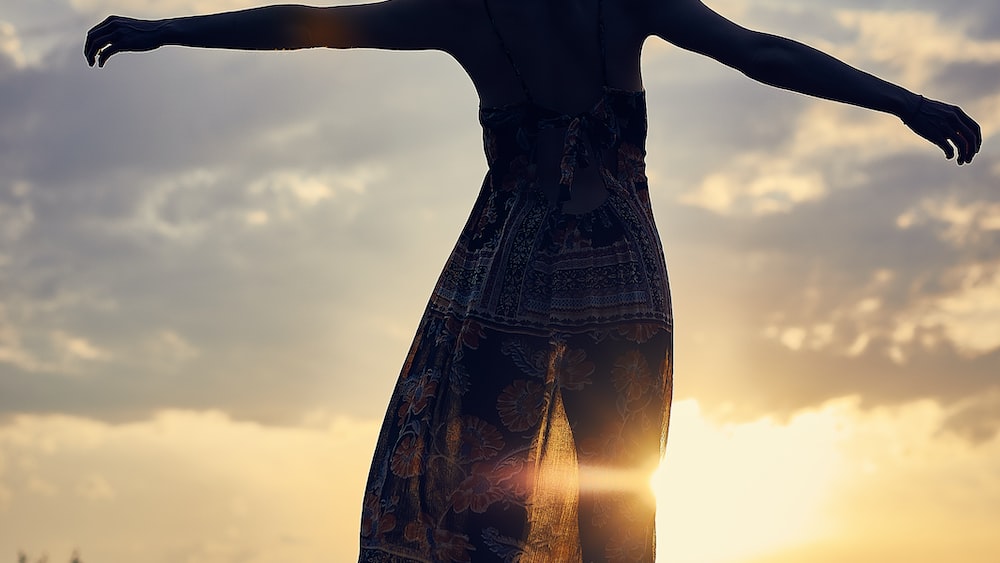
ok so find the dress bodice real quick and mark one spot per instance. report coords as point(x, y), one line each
point(528, 262)
point(616, 120)
point(616, 124)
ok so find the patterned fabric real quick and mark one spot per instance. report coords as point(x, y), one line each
point(533, 404)
point(521, 262)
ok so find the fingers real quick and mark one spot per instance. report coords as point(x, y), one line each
point(971, 123)
point(99, 45)
point(101, 53)
point(94, 54)
point(104, 55)
point(97, 39)
point(950, 128)
point(972, 133)
point(969, 136)
point(944, 145)
point(966, 146)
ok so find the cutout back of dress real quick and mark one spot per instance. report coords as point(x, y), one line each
point(566, 143)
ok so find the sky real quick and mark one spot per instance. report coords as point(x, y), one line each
point(212, 264)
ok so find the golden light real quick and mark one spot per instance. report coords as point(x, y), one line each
point(729, 492)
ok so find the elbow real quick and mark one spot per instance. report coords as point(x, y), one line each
point(767, 58)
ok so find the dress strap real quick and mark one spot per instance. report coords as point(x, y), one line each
point(604, 49)
point(510, 58)
point(517, 70)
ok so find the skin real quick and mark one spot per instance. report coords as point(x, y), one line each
point(555, 46)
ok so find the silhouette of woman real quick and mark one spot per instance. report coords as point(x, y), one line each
point(533, 404)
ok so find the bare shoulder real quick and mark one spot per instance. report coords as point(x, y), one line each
point(668, 19)
point(692, 25)
point(630, 15)
point(643, 13)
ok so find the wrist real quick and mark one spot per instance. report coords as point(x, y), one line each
point(914, 103)
point(167, 32)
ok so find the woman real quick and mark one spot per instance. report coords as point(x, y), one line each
point(533, 404)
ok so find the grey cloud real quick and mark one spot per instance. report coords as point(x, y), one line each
point(281, 314)
point(777, 380)
point(982, 16)
point(752, 268)
point(702, 115)
point(966, 81)
point(836, 245)
point(93, 153)
point(803, 21)
point(977, 420)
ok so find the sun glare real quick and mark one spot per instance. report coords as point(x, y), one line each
point(727, 493)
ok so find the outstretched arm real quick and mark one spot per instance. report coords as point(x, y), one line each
point(392, 24)
point(788, 64)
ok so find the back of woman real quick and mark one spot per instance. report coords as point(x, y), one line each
point(533, 405)
point(556, 45)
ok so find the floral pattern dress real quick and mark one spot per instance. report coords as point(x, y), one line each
point(533, 404)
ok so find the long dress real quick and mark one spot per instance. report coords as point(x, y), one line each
point(533, 404)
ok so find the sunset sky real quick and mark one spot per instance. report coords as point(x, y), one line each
point(212, 264)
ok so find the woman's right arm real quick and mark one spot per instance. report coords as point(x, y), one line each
point(391, 24)
point(788, 64)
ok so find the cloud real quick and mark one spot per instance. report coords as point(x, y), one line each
point(95, 487)
point(887, 37)
point(824, 145)
point(837, 477)
point(963, 316)
point(761, 188)
point(283, 193)
point(244, 239)
point(12, 350)
point(976, 419)
point(11, 54)
point(955, 296)
point(147, 8)
point(170, 348)
point(58, 353)
point(78, 348)
point(969, 315)
point(190, 255)
point(204, 219)
point(902, 491)
point(828, 140)
point(957, 223)
point(254, 487)
point(40, 487)
point(836, 482)
point(789, 219)
point(16, 214)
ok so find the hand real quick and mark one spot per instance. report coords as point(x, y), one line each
point(946, 125)
point(118, 34)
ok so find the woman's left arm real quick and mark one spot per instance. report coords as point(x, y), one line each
point(391, 24)
point(791, 65)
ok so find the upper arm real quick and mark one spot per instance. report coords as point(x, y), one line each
point(390, 24)
point(691, 25)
